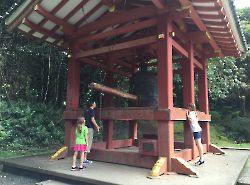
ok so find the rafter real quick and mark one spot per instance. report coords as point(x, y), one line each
point(202, 27)
point(219, 29)
point(44, 20)
point(213, 23)
point(40, 29)
point(70, 14)
point(213, 17)
point(91, 12)
point(67, 28)
point(208, 9)
point(118, 31)
point(25, 13)
point(116, 18)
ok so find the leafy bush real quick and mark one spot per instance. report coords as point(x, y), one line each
point(215, 116)
point(237, 128)
point(24, 124)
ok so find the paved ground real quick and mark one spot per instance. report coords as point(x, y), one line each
point(11, 179)
point(218, 169)
point(244, 178)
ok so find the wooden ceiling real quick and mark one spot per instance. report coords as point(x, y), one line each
point(101, 26)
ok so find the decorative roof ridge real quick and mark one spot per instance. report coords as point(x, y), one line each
point(237, 22)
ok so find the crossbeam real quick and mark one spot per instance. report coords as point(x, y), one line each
point(116, 47)
point(119, 31)
point(103, 66)
point(116, 18)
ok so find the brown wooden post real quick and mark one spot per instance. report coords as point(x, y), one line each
point(165, 87)
point(108, 102)
point(73, 93)
point(188, 94)
point(203, 102)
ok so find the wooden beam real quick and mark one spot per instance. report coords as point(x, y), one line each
point(103, 66)
point(222, 24)
point(86, 16)
point(222, 34)
point(44, 20)
point(74, 10)
point(198, 36)
point(119, 31)
point(116, 47)
point(207, 8)
point(225, 39)
point(70, 14)
point(202, 27)
point(213, 17)
point(159, 4)
point(68, 28)
point(40, 29)
point(182, 51)
point(116, 18)
point(107, 2)
point(25, 13)
point(178, 15)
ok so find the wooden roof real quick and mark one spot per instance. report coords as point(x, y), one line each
point(211, 24)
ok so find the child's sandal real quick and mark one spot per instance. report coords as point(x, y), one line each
point(81, 168)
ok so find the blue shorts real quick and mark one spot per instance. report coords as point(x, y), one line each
point(197, 135)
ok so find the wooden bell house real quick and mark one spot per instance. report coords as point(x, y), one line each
point(111, 35)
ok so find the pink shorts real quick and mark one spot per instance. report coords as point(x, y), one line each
point(80, 148)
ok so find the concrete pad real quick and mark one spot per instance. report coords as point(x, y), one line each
point(218, 169)
point(51, 182)
point(244, 178)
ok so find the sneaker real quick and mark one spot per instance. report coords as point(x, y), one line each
point(81, 168)
point(73, 168)
point(88, 162)
point(199, 163)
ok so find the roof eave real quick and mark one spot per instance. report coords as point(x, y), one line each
point(235, 24)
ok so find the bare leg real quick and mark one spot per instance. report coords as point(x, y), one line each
point(200, 148)
point(85, 156)
point(81, 159)
point(74, 159)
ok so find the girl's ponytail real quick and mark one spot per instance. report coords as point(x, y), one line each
point(79, 128)
point(79, 124)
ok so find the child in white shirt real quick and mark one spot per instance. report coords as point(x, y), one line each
point(196, 129)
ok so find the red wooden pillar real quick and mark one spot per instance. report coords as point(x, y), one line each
point(188, 94)
point(165, 87)
point(73, 93)
point(108, 102)
point(203, 102)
